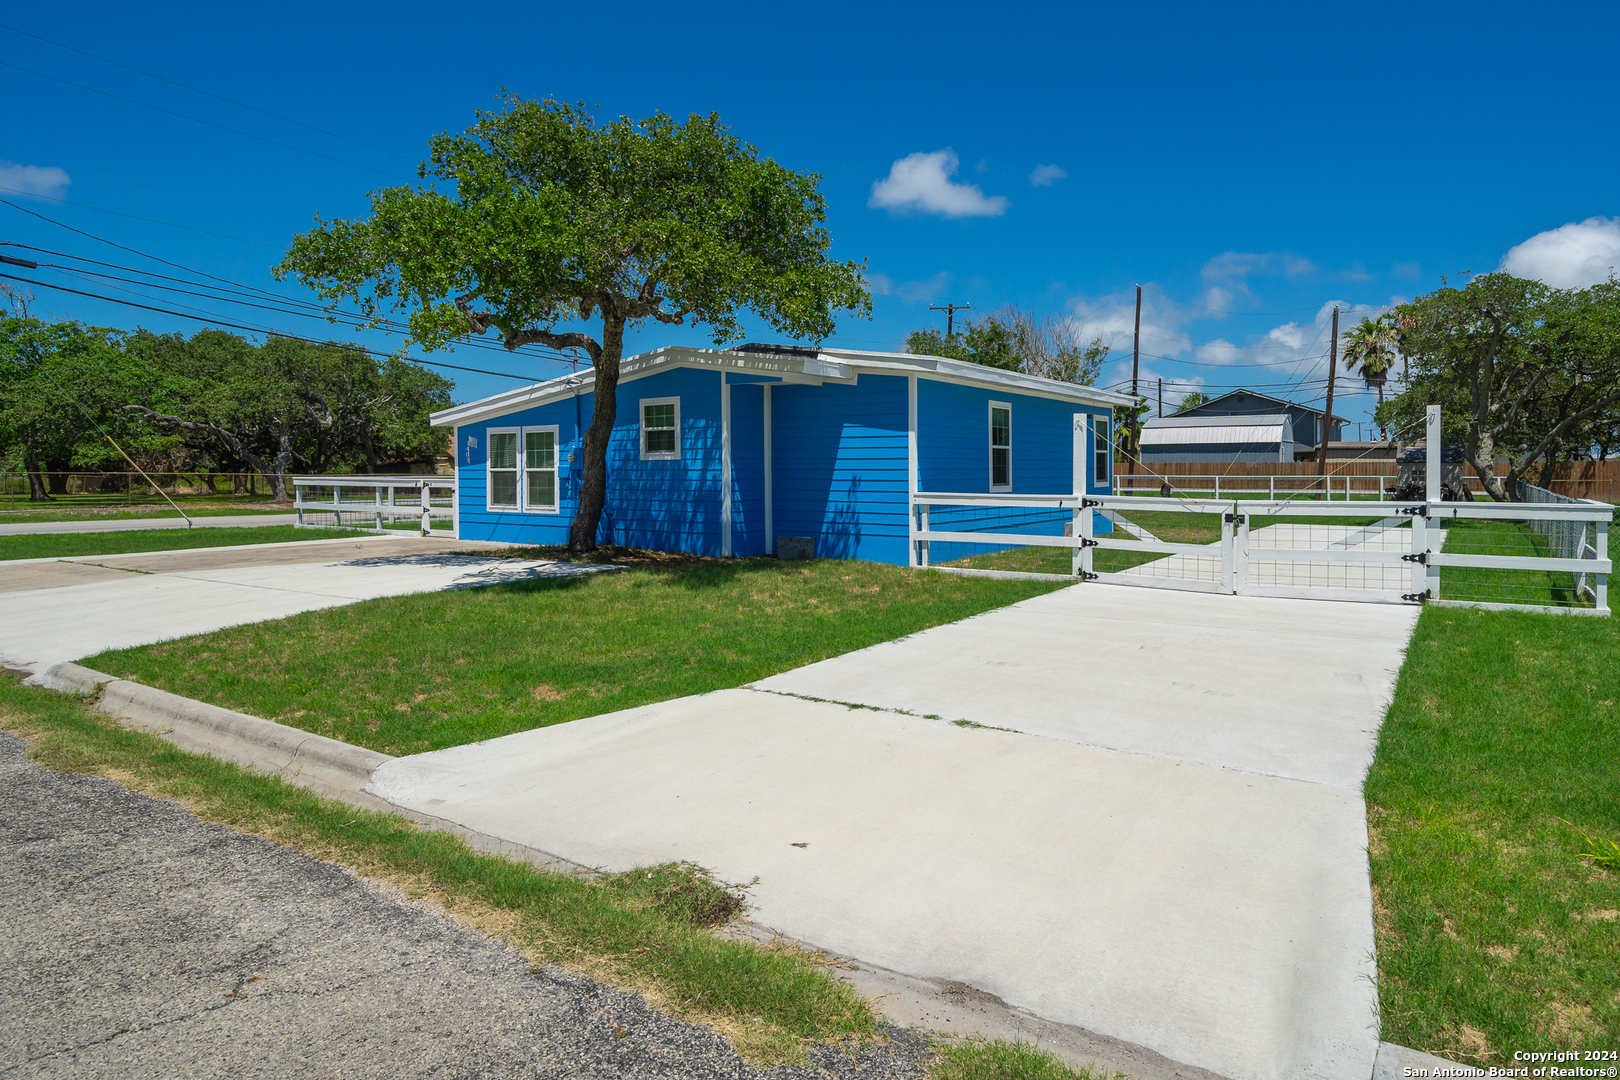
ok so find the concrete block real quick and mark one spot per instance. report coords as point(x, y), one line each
point(795, 547)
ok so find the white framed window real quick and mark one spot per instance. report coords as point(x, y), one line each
point(1000, 446)
point(1102, 450)
point(501, 491)
point(540, 470)
point(661, 429)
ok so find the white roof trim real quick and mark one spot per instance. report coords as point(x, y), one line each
point(835, 365)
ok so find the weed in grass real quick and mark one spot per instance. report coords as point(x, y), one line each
point(648, 935)
point(1604, 851)
point(1490, 937)
point(490, 661)
point(1000, 1059)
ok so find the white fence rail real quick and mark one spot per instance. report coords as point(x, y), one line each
point(377, 503)
point(1332, 486)
point(1379, 551)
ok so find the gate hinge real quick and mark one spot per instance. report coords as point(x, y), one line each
point(1421, 510)
point(1417, 596)
point(1087, 575)
point(1086, 503)
point(1086, 541)
point(1421, 556)
point(1238, 519)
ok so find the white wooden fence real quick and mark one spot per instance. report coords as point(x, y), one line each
point(377, 503)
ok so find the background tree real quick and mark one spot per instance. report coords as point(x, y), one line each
point(1191, 401)
point(555, 217)
point(1519, 369)
point(1370, 350)
point(1013, 339)
point(325, 408)
point(58, 381)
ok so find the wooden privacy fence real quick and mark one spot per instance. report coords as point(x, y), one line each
point(1577, 479)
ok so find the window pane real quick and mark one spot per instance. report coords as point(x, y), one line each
point(540, 449)
point(661, 441)
point(503, 450)
point(1000, 427)
point(503, 487)
point(658, 416)
point(542, 489)
point(1103, 450)
point(1000, 467)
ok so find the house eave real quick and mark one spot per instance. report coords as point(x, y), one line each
point(828, 365)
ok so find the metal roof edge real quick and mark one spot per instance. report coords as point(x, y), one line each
point(835, 364)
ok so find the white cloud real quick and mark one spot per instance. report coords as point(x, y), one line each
point(46, 180)
point(922, 182)
point(1219, 351)
point(1571, 256)
point(1233, 268)
point(922, 292)
point(1047, 175)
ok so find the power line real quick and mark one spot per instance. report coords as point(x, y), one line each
point(132, 217)
point(261, 329)
point(206, 93)
point(205, 123)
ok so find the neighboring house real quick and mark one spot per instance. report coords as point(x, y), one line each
point(1242, 425)
point(719, 452)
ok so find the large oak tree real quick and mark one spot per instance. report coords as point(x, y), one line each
point(546, 216)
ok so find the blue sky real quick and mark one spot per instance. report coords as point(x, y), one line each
point(1249, 166)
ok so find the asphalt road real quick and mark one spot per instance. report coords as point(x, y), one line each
point(137, 941)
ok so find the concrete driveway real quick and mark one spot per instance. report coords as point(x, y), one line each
point(1132, 811)
point(65, 609)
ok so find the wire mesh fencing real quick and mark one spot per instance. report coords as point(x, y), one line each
point(1343, 554)
point(69, 490)
point(1566, 538)
point(1016, 556)
point(376, 503)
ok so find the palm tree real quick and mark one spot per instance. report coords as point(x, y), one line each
point(1371, 348)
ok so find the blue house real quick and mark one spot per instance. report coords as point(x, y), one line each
point(719, 452)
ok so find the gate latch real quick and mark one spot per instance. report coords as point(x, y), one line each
point(1086, 541)
point(1086, 503)
point(1087, 575)
point(1238, 519)
point(1421, 556)
point(1421, 510)
point(1417, 596)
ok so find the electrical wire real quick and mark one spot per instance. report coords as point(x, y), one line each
point(262, 330)
point(132, 217)
point(205, 123)
point(206, 93)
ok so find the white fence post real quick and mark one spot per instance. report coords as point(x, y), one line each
point(1084, 553)
point(1600, 582)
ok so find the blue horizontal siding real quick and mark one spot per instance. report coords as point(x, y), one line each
point(839, 455)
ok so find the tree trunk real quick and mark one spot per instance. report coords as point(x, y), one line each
point(593, 485)
point(1482, 456)
point(36, 481)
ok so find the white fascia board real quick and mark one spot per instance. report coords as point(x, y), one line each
point(831, 365)
point(794, 369)
point(962, 372)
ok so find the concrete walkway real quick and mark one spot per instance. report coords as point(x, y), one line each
point(1165, 845)
point(111, 524)
point(66, 609)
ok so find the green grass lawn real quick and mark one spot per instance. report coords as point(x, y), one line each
point(65, 545)
point(1480, 537)
point(30, 516)
point(1501, 746)
point(414, 673)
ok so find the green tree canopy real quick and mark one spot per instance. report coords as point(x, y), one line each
point(1191, 401)
point(63, 386)
point(1520, 370)
point(555, 217)
point(1017, 340)
point(324, 407)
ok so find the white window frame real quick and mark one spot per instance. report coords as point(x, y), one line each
point(1102, 451)
point(641, 428)
point(489, 471)
point(990, 438)
point(555, 507)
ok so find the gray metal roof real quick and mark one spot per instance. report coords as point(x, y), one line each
point(1183, 430)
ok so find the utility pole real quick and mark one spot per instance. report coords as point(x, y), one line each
point(1136, 363)
point(1327, 418)
point(950, 311)
point(1161, 397)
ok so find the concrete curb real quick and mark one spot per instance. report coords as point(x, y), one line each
point(299, 757)
point(1396, 1062)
